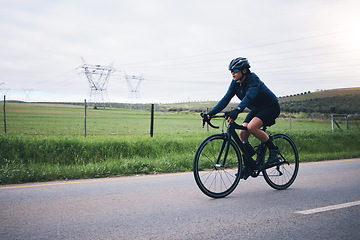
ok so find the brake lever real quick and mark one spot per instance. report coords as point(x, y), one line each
point(205, 119)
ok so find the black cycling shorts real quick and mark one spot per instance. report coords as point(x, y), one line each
point(267, 115)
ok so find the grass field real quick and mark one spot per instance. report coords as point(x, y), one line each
point(46, 142)
point(68, 120)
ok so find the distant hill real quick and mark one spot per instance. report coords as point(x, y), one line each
point(321, 94)
point(340, 101)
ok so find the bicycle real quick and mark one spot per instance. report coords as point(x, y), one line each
point(218, 161)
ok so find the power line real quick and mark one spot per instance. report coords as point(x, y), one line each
point(233, 50)
point(212, 65)
point(59, 76)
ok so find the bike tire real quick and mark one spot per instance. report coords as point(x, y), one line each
point(214, 181)
point(283, 175)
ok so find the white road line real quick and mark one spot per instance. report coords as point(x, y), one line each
point(329, 208)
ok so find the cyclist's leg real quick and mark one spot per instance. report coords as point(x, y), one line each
point(249, 165)
point(265, 117)
point(244, 134)
point(254, 128)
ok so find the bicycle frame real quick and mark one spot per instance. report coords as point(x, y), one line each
point(231, 133)
point(218, 160)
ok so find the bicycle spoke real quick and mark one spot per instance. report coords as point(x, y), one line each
point(212, 177)
point(283, 174)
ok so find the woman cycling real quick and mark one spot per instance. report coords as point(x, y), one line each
point(263, 105)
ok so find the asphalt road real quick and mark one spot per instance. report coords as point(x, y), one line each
point(170, 206)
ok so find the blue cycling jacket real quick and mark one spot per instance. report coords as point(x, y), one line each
point(253, 94)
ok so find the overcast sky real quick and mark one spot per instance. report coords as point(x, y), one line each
point(181, 48)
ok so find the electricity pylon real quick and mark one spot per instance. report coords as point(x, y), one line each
point(2, 91)
point(98, 77)
point(134, 85)
point(27, 94)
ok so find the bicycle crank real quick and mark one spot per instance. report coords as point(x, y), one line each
point(218, 166)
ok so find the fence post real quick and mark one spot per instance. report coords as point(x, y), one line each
point(334, 121)
point(347, 122)
point(4, 114)
point(290, 123)
point(85, 118)
point(207, 125)
point(152, 121)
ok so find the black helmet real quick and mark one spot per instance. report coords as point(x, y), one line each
point(239, 63)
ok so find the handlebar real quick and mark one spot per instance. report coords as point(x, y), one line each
point(205, 119)
point(224, 115)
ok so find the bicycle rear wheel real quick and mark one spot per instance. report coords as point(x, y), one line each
point(214, 179)
point(284, 173)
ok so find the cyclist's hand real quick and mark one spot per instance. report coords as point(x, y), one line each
point(232, 115)
point(205, 118)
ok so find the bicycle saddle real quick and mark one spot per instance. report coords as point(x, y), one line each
point(270, 124)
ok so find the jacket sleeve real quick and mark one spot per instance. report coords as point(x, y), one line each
point(251, 93)
point(224, 101)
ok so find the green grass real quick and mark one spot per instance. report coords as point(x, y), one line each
point(68, 120)
point(34, 158)
point(46, 142)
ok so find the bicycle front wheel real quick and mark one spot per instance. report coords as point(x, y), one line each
point(284, 173)
point(214, 176)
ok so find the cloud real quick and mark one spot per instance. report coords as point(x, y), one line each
point(182, 48)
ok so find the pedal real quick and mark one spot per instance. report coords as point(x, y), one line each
point(255, 173)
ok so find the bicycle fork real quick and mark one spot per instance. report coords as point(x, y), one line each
point(247, 157)
point(221, 159)
point(224, 146)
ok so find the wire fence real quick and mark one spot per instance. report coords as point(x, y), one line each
point(344, 121)
point(82, 119)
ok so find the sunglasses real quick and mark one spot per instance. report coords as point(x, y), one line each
point(235, 71)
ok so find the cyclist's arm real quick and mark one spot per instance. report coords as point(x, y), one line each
point(224, 101)
point(251, 93)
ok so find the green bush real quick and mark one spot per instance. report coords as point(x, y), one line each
point(45, 142)
point(39, 158)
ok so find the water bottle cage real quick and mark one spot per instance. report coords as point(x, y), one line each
point(249, 149)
